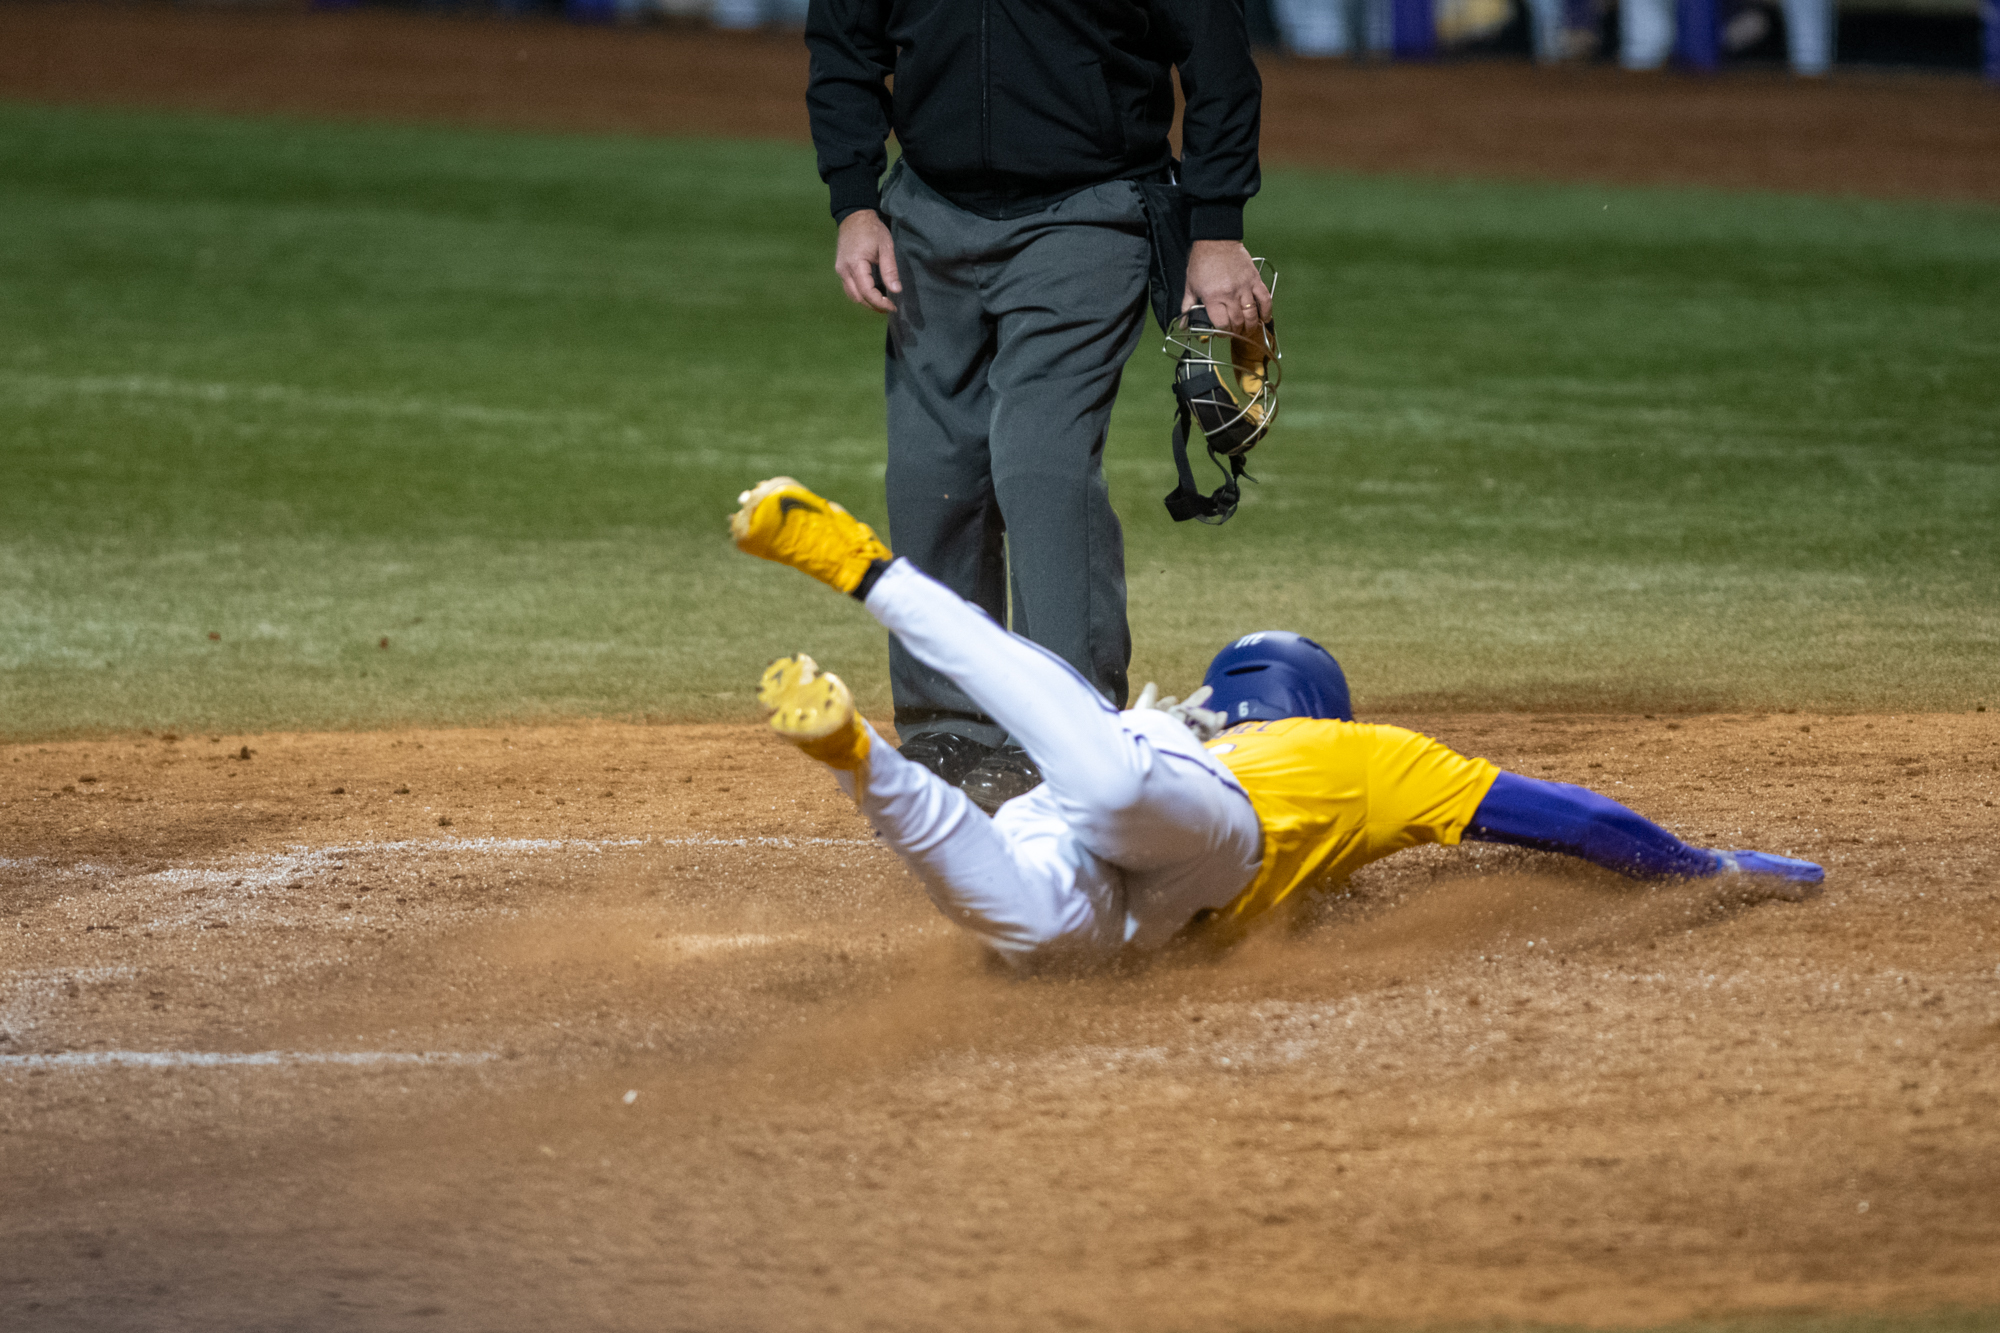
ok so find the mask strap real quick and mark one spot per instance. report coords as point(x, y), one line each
point(1186, 501)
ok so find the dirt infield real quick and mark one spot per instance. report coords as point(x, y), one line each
point(1891, 135)
point(627, 1027)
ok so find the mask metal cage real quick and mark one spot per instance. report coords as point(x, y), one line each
point(1228, 380)
point(1225, 387)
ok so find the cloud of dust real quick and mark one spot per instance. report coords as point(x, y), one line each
point(797, 1015)
point(944, 997)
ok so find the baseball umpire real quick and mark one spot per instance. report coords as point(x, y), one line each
point(1156, 821)
point(1013, 251)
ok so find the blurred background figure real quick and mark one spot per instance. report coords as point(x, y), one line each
point(1809, 27)
point(1333, 27)
point(738, 15)
point(1562, 29)
point(606, 11)
point(1552, 30)
point(1638, 34)
point(1651, 31)
point(1645, 33)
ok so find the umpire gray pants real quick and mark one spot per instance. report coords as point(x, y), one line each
point(1004, 357)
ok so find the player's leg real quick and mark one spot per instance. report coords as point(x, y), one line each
point(1559, 817)
point(939, 484)
point(1137, 792)
point(1011, 887)
point(1015, 886)
point(1137, 789)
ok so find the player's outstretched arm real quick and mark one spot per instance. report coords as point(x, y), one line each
point(1559, 817)
point(782, 521)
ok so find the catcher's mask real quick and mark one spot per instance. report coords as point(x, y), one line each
point(1226, 383)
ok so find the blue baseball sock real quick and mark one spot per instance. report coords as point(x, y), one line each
point(1559, 817)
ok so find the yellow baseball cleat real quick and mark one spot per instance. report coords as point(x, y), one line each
point(783, 521)
point(814, 711)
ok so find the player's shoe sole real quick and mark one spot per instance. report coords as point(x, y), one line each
point(1783, 876)
point(781, 520)
point(814, 710)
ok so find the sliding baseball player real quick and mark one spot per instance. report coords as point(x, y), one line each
point(1168, 817)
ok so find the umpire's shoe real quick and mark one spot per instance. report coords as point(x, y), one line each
point(945, 753)
point(783, 521)
point(1001, 776)
point(814, 711)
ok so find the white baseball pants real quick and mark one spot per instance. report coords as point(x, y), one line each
point(1134, 829)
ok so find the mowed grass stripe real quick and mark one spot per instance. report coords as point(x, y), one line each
point(489, 396)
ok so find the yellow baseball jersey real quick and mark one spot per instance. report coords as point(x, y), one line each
point(1333, 796)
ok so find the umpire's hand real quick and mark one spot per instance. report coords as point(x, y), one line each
point(1221, 278)
point(864, 250)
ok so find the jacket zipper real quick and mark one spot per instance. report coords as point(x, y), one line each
point(985, 86)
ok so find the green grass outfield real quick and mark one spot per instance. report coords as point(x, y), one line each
point(490, 396)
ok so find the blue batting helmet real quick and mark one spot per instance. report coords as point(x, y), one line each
point(1274, 673)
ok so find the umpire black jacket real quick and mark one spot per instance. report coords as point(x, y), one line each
point(1004, 106)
